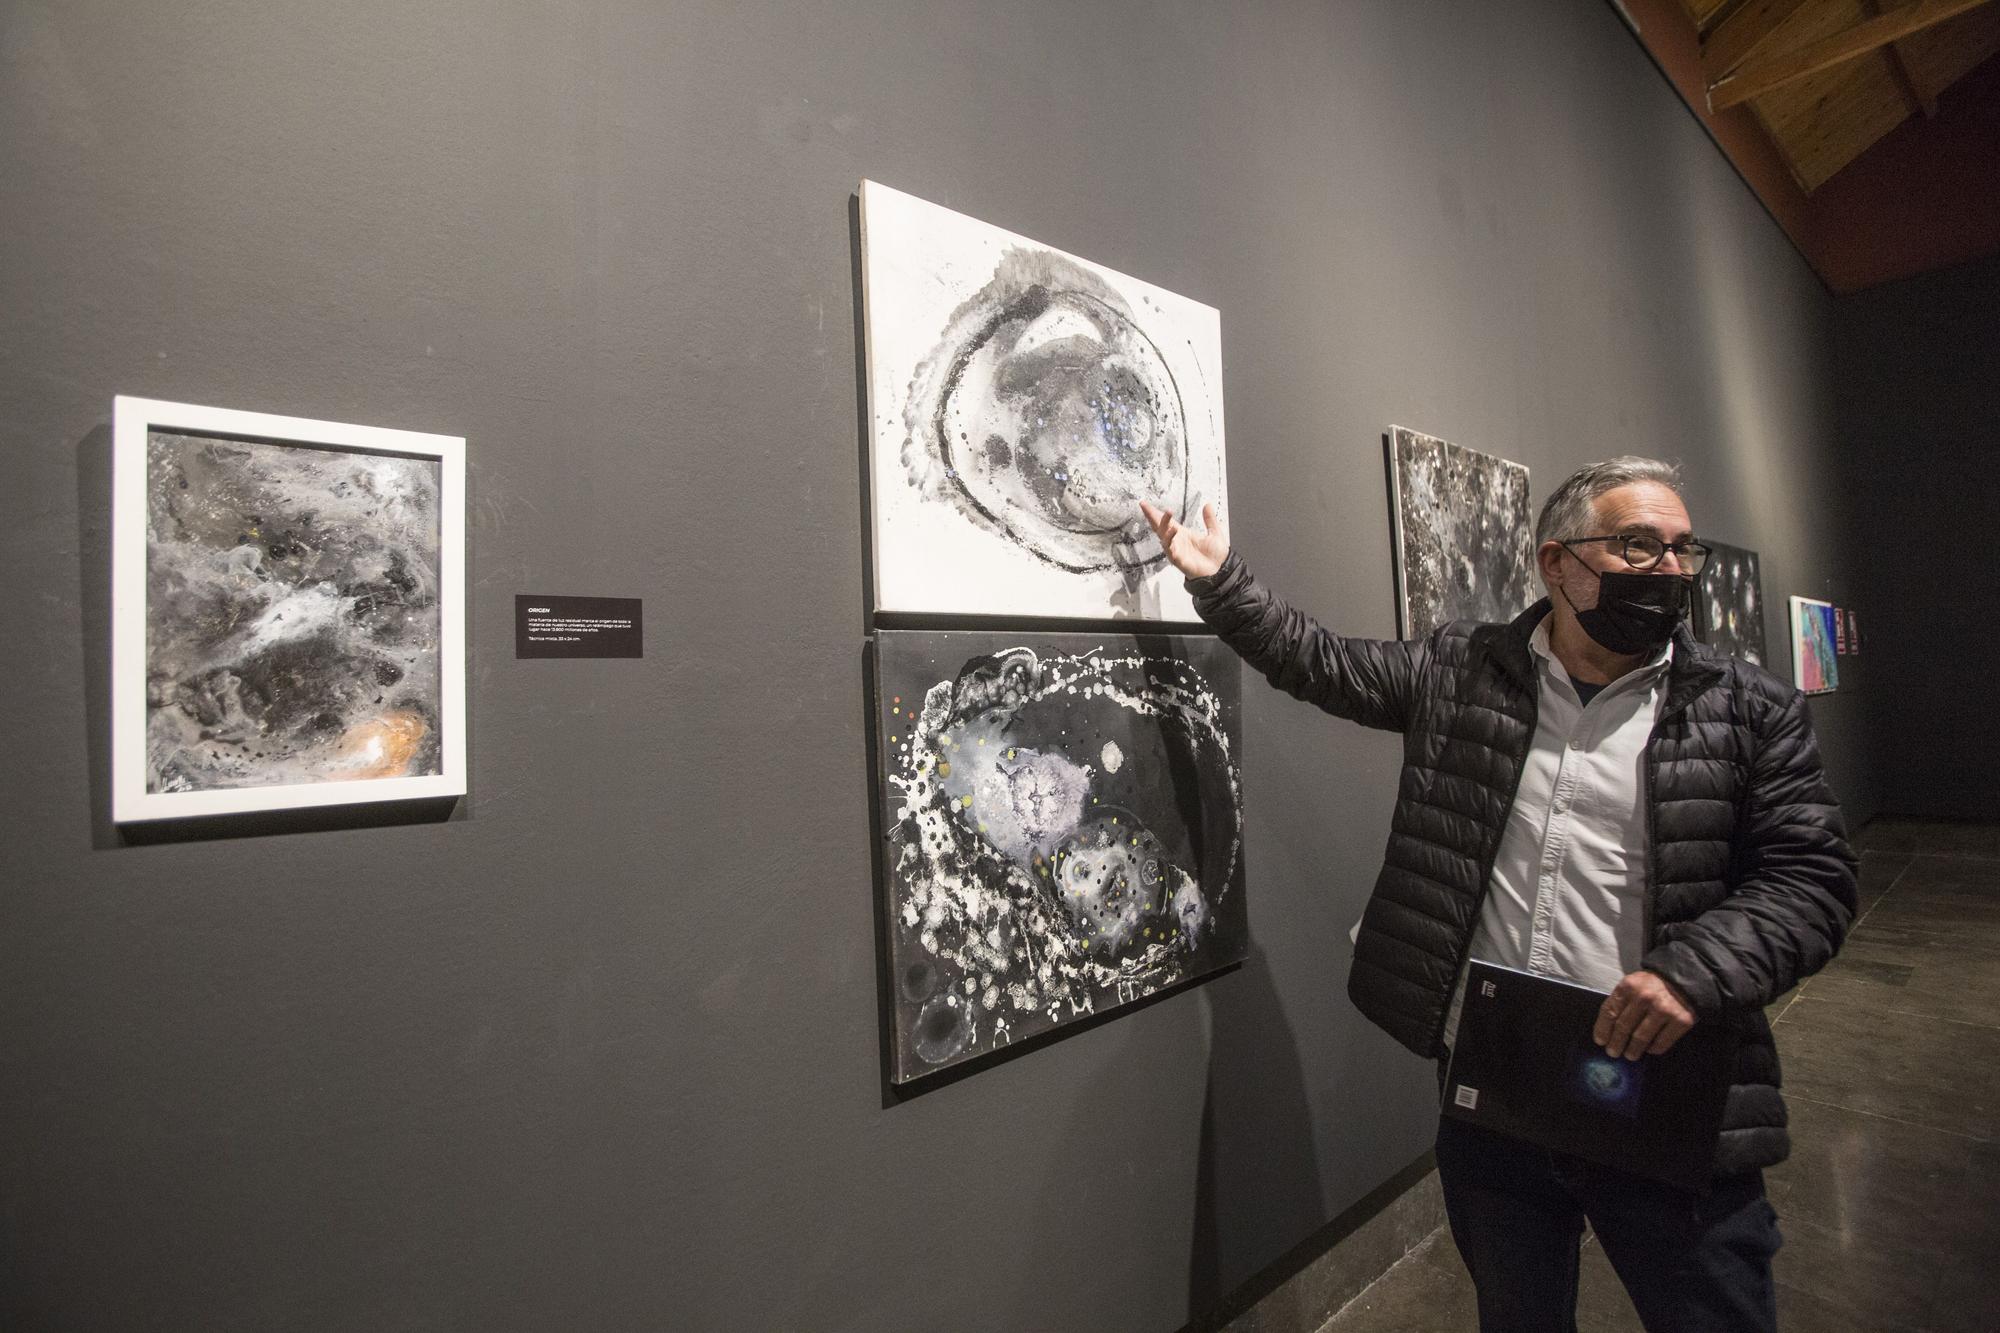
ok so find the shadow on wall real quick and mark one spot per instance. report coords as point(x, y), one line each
point(1257, 1185)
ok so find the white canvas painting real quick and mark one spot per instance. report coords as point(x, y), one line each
point(1023, 402)
point(288, 612)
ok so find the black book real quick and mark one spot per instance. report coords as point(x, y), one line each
point(1524, 1065)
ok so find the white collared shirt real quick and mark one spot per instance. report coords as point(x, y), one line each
point(1567, 895)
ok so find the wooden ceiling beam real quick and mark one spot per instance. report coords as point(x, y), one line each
point(1919, 97)
point(1760, 76)
point(1741, 34)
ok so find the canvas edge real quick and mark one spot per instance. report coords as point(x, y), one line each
point(872, 405)
point(133, 420)
point(1397, 555)
point(885, 886)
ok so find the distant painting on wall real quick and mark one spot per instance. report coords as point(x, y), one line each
point(1464, 534)
point(1815, 665)
point(1729, 603)
point(1065, 829)
point(1022, 403)
point(288, 612)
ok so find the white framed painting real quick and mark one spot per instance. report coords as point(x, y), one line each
point(1815, 666)
point(288, 612)
point(1022, 403)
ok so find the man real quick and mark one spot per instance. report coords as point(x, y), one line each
point(1586, 793)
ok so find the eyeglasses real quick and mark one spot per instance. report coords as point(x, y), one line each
point(1642, 552)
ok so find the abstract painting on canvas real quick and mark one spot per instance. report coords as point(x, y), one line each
point(288, 612)
point(1463, 534)
point(1064, 828)
point(1022, 403)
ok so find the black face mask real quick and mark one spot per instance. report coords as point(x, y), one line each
point(1635, 613)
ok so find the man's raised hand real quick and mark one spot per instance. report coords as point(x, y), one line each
point(1195, 554)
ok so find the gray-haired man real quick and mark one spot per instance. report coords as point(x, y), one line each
point(1586, 793)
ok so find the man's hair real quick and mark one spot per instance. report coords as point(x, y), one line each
point(1567, 514)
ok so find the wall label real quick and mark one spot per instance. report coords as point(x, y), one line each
point(578, 626)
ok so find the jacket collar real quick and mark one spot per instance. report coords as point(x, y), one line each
point(1693, 668)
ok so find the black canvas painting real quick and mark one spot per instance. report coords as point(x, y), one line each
point(1464, 534)
point(1729, 603)
point(1065, 829)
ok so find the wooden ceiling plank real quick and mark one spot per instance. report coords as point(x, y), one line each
point(1919, 97)
point(1941, 56)
point(1827, 120)
point(1761, 76)
point(1741, 34)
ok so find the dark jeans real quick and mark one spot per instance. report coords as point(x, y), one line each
point(1692, 1263)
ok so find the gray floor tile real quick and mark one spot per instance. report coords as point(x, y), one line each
point(1907, 1066)
point(1917, 835)
point(1974, 872)
point(1940, 909)
point(1428, 1292)
point(1878, 1215)
point(1879, 870)
point(1941, 976)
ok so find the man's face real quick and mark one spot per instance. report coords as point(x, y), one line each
point(1645, 508)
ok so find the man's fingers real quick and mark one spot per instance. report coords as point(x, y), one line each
point(1615, 1006)
point(1211, 522)
point(1642, 1036)
point(1600, 1031)
point(1671, 1033)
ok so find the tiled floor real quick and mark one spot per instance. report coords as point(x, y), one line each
point(1890, 1204)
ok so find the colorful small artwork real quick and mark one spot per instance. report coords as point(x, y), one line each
point(1815, 646)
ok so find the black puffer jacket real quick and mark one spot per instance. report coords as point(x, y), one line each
point(1750, 879)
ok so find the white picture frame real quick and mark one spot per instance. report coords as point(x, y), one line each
point(136, 792)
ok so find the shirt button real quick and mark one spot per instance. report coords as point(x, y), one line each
point(1575, 743)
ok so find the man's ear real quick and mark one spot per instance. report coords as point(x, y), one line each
point(1548, 560)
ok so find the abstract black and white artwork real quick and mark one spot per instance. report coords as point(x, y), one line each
point(1064, 818)
point(1729, 603)
point(1464, 534)
point(1023, 402)
point(288, 612)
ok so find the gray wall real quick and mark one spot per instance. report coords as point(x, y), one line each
point(602, 1049)
point(1919, 413)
